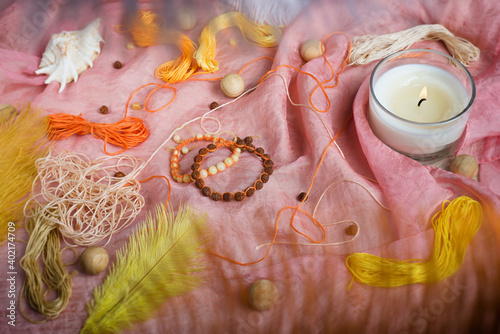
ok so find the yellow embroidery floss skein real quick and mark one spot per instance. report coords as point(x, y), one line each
point(148, 29)
point(455, 226)
point(262, 35)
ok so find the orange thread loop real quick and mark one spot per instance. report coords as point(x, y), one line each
point(126, 133)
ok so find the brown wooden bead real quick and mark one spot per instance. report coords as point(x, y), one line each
point(248, 140)
point(206, 191)
point(269, 170)
point(198, 159)
point(351, 230)
point(203, 151)
point(258, 185)
point(259, 150)
point(239, 196)
point(240, 142)
point(264, 177)
point(103, 110)
point(227, 197)
point(211, 147)
point(117, 64)
point(195, 167)
point(196, 175)
point(268, 163)
point(119, 174)
point(249, 192)
point(199, 184)
point(266, 156)
point(302, 197)
point(216, 196)
point(250, 148)
point(213, 105)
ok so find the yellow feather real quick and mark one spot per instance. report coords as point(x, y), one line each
point(159, 262)
point(22, 142)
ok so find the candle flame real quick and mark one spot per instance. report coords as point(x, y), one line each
point(423, 93)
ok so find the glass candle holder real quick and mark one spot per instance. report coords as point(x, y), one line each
point(420, 101)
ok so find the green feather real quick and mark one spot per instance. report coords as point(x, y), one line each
point(160, 261)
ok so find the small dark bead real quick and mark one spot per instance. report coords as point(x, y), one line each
point(195, 175)
point(250, 148)
point(227, 197)
point(248, 140)
point(197, 167)
point(302, 197)
point(103, 110)
point(240, 143)
point(211, 147)
point(216, 196)
point(351, 230)
point(117, 64)
point(206, 191)
point(259, 150)
point(249, 191)
point(239, 196)
point(198, 159)
point(266, 156)
point(269, 170)
point(264, 177)
point(258, 185)
point(213, 105)
point(203, 151)
point(199, 184)
point(119, 174)
point(268, 163)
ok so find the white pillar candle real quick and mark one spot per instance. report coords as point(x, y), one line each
point(400, 117)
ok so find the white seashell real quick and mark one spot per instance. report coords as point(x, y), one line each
point(69, 53)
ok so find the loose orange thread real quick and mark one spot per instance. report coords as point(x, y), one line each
point(296, 209)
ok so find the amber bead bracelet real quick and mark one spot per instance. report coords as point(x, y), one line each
point(212, 170)
point(239, 195)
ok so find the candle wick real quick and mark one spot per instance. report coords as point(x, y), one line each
point(422, 100)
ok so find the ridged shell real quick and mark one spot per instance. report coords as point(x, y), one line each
point(69, 53)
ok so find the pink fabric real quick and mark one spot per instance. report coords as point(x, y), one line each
point(311, 280)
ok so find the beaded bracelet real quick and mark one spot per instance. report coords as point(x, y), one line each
point(240, 195)
point(212, 170)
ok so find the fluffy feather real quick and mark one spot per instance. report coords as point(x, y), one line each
point(22, 142)
point(160, 261)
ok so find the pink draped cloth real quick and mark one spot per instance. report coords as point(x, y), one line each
point(311, 279)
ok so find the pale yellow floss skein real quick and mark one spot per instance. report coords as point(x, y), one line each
point(262, 35)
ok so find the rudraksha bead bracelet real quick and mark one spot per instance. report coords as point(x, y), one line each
point(239, 195)
point(212, 170)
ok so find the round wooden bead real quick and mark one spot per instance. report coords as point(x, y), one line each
point(206, 191)
point(186, 18)
point(200, 184)
point(216, 196)
point(119, 174)
point(262, 295)
point(136, 106)
point(232, 85)
point(311, 49)
point(94, 260)
point(351, 229)
point(302, 197)
point(464, 165)
point(227, 197)
point(239, 196)
point(249, 192)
